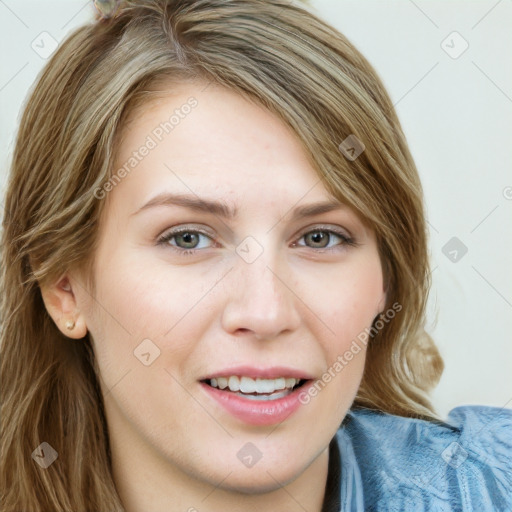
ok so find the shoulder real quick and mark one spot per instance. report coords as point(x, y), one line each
point(463, 463)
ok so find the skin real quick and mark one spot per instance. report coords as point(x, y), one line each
point(173, 447)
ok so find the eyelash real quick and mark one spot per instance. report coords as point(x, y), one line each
point(167, 237)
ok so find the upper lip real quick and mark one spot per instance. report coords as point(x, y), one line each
point(272, 372)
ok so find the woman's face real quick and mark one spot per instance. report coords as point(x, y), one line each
point(188, 293)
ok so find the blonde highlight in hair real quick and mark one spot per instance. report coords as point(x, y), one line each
point(273, 52)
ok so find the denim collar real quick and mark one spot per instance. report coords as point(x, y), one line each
point(344, 487)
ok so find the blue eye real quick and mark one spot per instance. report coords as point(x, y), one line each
point(188, 240)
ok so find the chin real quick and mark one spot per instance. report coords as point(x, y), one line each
point(260, 481)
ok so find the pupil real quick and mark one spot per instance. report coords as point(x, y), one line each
point(318, 236)
point(188, 238)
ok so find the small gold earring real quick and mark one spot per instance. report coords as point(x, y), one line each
point(70, 325)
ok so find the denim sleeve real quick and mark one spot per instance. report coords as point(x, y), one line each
point(463, 464)
point(483, 457)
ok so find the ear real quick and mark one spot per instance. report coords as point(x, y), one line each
point(60, 302)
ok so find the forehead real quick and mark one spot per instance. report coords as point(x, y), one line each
point(198, 139)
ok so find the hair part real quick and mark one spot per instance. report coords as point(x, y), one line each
point(272, 52)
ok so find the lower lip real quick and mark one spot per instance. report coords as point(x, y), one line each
point(258, 412)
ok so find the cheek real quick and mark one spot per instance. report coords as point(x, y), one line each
point(343, 377)
point(350, 299)
point(146, 296)
point(141, 300)
point(150, 303)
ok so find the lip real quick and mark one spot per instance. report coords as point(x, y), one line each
point(254, 412)
point(273, 372)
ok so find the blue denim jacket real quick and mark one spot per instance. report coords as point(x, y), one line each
point(380, 462)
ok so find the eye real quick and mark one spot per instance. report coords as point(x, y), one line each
point(321, 239)
point(187, 241)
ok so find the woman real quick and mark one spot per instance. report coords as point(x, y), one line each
point(214, 280)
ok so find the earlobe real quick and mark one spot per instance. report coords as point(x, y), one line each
point(60, 302)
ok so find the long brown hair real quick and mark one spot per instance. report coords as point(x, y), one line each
point(274, 52)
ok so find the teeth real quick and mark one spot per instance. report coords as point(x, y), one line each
point(289, 383)
point(272, 396)
point(234, 383)
point(248, 385)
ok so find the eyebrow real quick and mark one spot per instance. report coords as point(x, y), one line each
point(223, 210)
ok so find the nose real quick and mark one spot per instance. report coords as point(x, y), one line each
point(261, 302)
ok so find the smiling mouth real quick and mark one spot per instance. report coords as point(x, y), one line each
point(256, 389)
